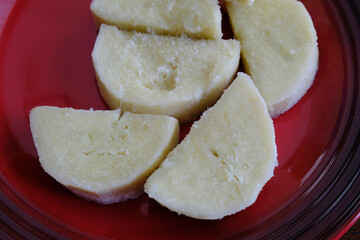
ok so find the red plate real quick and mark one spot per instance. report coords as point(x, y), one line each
point(45, 49)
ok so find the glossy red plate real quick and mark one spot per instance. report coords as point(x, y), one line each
point(45, 49)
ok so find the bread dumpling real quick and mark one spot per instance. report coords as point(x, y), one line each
point(279, 48)
point(101, 155)
point(194, 18)
point(148, 73)
point(224, 162)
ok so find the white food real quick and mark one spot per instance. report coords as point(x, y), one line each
point(279, 48)
point(195, 18)
point(148, 73)
point(224, 162)
point(101, 155)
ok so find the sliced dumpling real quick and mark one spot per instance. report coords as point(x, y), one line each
point(247, 2)
point(195, 18)
point(279, 48)
point(101, 155)
point(225, 160)
point(148, 73)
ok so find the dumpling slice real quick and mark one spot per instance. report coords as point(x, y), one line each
point(101, 155)
point(195, 18)
point(279, 48)
point(224, 162)
point(148, 73)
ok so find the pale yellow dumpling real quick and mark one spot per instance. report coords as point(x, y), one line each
point(279, 48)
point(175, 76)
point(101, 155)
point(194, 18)
point(224, 162)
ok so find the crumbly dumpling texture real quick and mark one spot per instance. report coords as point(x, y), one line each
point(247, 2)
point(225, 160)
point(279, 48)
point(195, 18)
point(148, 73)
point(101, 155)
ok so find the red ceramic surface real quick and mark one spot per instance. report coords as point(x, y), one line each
point(45, 49)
